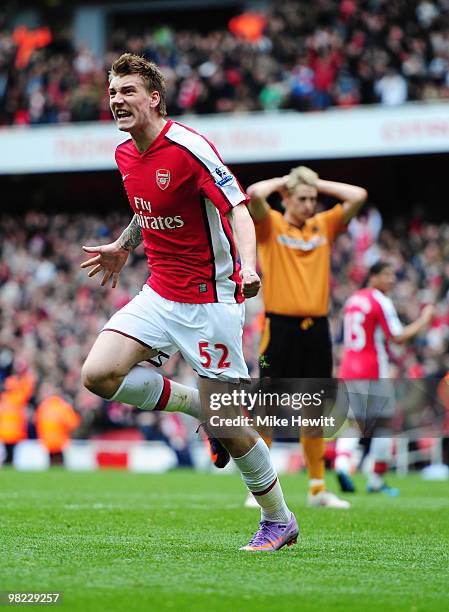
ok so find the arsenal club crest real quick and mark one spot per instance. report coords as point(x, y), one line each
point(163, 178)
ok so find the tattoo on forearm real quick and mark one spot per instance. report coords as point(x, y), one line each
point(132, 236)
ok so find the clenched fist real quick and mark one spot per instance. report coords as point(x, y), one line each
point(250, 282)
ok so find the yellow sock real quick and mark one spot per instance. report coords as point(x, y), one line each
point(314, 455)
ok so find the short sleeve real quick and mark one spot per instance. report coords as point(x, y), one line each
point(215, 181)
point(332, 222)
point(388, 317)
point(222, 188)
point(265, 228)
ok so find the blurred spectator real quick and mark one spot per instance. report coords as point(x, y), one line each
point(55, 420)
point(13, 411)
point(391, 88)
point(364, 231)
point(13, 426)
point(249, 26)
point(302, 86)
point(27, 42)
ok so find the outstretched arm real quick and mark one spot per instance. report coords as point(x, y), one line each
point(110, 258)
point(245, 237)
point(414, 328)
point(260, 192)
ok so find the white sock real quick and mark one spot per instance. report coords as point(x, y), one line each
point(375, 480)
point(345, 449)
point(381, 449)
point(260, 477)
point(149, 390)
point(317, 482)
point(380, 452)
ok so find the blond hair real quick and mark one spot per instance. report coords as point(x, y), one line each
point(301, 175)
point(154, 80)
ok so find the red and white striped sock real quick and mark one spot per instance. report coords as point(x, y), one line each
point(380, 455)
point(149, 390)
point(345, 449)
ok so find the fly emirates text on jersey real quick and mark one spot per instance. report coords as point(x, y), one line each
point(150, 221)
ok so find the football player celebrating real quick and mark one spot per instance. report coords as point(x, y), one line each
point(184, 200)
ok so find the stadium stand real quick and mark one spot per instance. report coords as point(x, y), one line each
point(290, 56)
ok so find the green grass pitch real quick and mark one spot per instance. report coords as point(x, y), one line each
point(116, 541)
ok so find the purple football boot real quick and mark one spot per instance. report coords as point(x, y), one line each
point(273, 536)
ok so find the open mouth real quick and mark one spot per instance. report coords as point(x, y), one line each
point(121, 114)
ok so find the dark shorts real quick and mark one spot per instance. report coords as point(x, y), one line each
point(296, 358)
point(296, 347)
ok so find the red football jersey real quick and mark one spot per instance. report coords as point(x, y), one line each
point(370, 319)
point(181, 190)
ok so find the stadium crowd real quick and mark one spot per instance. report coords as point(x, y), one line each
point(51, 311)
point(302, 56)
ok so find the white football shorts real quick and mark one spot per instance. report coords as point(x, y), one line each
point(371, 399)
point(209, 336)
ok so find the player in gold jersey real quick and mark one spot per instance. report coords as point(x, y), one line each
point(294, 252)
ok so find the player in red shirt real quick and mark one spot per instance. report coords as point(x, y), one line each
point(184, 201)
point(370, 322)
